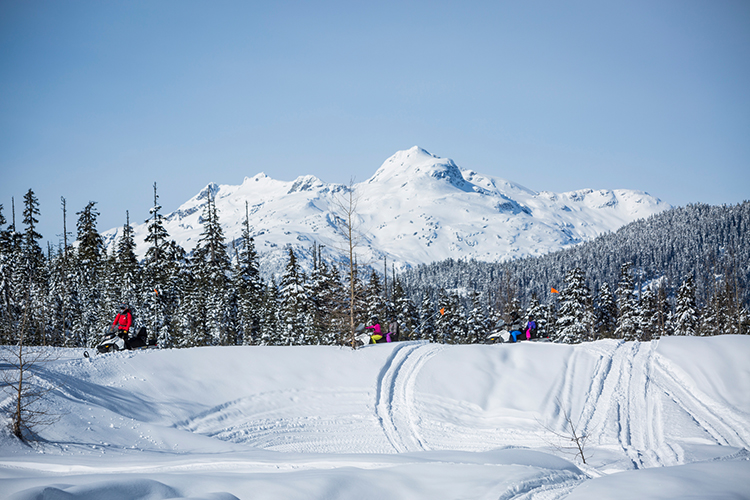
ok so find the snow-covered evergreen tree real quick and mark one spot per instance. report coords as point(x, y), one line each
point(628, 324)
point(90, 320)
point(426, 328)
point(248, 286)
point(655, 311)
point(716, 317)
point(293, 303)
point(450, 322)
point(686, 310)
point(605, 312)
point(375, 307)
point(271, 324)
point(477, 324)
point(538, 312)
point(31, 277)
point(212, 267)
point(126, 267)
point(328, 300)
point(404, 311)
point(576, 317)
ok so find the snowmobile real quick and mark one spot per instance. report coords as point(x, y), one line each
point(498, 337)
point(361, 336)
point(113, 342)
point(505, 334)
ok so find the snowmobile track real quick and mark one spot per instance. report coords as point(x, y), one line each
point(554, 486)
point(726, 426)
point(395, 395)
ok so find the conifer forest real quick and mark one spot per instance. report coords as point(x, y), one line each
point(681, 272)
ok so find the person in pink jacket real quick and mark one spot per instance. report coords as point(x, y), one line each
point(377, 332)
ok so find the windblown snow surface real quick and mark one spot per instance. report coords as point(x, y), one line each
point(408, 420)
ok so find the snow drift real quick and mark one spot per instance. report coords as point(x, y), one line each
point(402, 420)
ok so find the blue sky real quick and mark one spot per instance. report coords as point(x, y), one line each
point(100, 99)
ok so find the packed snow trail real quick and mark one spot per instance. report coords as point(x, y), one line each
point(725, 425)
point(395, 395)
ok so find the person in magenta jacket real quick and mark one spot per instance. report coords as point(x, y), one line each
point(376, 334)
point(530, 328)
point(123, 321)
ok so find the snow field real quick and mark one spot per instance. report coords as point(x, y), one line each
point(404, 420)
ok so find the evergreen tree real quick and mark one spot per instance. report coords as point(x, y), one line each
point(61, 298)
point(31, 276)
point(88, 321)
point(605, 312)
point(628, 325)
point(126, 267)
point(164, 279)
point(90, 242)
point(654, 314)
point(375, 307)
point(249, 286)
point(6, 289)
point(575, 319)
point(426, 328)
point(327, 299)
point(212, 294)
point(477, 324)
point(170, 330)
point(508, 304)
point(648, 315)
point(61, 301)
point(716, 317)
point(293, 302)
point(663, 318)
point(686, 309)
point(450, 321)
point(271, 329)
point(404, 311)
point(33, 255)
point(539, 312)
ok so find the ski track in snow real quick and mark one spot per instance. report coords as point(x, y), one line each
point(625, 404)
point(395, 395)
point(726, 426)
point(553, 486)
point(622, 395)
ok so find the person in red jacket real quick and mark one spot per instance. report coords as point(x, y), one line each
point(123, 321)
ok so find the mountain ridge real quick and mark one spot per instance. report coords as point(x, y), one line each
point(416, 208)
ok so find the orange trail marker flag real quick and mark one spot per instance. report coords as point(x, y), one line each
point(442, 311)
point(554, 291)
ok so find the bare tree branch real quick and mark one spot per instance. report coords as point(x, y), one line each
point(570, 434)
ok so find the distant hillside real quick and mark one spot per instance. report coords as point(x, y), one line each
point(699, 239)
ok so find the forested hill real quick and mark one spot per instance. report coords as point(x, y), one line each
point(708, 242)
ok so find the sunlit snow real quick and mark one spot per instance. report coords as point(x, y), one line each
point(408, 420)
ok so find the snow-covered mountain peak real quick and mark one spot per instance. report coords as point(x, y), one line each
point(212, 187)
point(420, 169)
point(416, 208)
point(305, 183)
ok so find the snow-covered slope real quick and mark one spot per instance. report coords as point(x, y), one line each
point(416, 208)
point(408, 420)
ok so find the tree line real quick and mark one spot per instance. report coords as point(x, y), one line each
point(214, 295)
point(681, 272)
